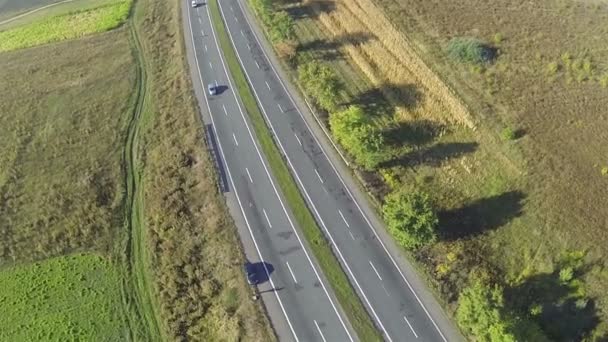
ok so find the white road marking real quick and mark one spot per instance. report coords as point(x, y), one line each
point(242, 33)
point(202, 32)
point(375, 270)
point(408, 323)
point(249, 174)
point(257, 64)
point(267, 85)
point(321, 180)
point(231, 9)
point(236, 19)
point(225, 111)
point(205, 48)
point(384, 288)
point(255, 36)
point(249, 46)
point(236, 142)
point(343, 218)
point(291, 271)
point(267, 219)
point(210, 65)
point(237, 194)
point(320, 332)
point(257, 149)
point(199, 20)
point(280, 108)
point(298, 139)
point(351, 235)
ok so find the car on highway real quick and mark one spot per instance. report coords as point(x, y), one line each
point(211, 89)
point(252, 277)
point(194, 3)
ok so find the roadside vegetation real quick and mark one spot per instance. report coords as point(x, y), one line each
point(501, 128)
point(66, 26)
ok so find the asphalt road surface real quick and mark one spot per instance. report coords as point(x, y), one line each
point(300, 303)
point(394, 296)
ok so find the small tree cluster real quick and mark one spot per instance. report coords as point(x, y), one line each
point(359, 137)
point(320, 82)
point(470, 50)
point(411, 218)
point(279, 24)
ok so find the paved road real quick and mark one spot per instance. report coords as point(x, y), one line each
point(298, 299)
point(394, 296)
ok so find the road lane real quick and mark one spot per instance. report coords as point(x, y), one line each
point(280, 251)
point(385, 289)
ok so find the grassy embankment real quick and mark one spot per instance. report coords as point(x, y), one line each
point(331, 268)
point(509, 193)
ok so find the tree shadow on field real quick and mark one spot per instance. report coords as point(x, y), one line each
point(416, 133)
point(432, 156)
point(375, 100)
point(308, 10)
point(480, 216)
point(329, 49)
point(564, 314)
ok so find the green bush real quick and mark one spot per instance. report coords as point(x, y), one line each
point(508, 134)
point(281, 27)
point(320, 82)
point(362, 140)
point(411, 218)
point(470, 50)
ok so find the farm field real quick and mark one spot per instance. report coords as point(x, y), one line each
point(511, 151)
point(56, 299)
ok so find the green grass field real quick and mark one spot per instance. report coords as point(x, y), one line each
point(66, 26)
point(68, 298)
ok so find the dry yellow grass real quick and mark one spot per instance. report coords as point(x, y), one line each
point(388, 59)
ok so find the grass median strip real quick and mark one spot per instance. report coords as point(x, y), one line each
point(345, 293)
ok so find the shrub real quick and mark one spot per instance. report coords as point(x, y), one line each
point(508, 134)
point(470, 50)
point(353, 131)
point(280, 27)
point(320, 82)
point(552, 68)
point(498, 38)
point(410, 218)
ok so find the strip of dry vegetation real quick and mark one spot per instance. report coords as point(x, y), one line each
point(195, 252)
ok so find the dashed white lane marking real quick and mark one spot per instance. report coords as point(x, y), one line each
point(320, 332)
point(236, 19)
point(225, 111)
point(385, 290)
point(412, 329)
point(280, 108)
point(321, 180)
point(249, 46)
point(231, 9)
point(291, 271)
point(236, 142)
point(199, 20)
point(202, 32)
point(298, 139)
point(242, 33)
point(351, 235)
point(267, 85)
point(205, 48)
point(210, 65)
point(375, 270)
point(257, 64)
point(249, 174)
point(267, 219)
point(344, 218)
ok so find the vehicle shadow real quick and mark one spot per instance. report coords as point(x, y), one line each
point(262, 271)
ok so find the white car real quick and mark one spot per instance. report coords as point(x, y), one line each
point(212, 89)
point(194, 3)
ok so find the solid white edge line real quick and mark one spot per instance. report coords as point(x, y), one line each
point(340, 177)
point(291, 271)
point(235, 141)
point(343, 218)
point(409, 325)
point(271, 181)
point(225, 111)
point(333, 242)
point(319, 329)
point(235, 191)
point(267, 219)
point(375, 270)
point(249, 174)
point(298, 139)
point(321, 179)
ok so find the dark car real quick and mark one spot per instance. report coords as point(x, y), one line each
point(252, 277)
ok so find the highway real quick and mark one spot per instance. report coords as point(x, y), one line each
point(300, 303)
point(393, 294)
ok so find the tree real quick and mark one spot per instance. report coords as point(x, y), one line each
point(353, 131)
point(410, 218)
point(320, 82)
point(281, 27)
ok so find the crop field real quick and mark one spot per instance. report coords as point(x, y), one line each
point(66, 26)
point(511, 150)
point(57, 299)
